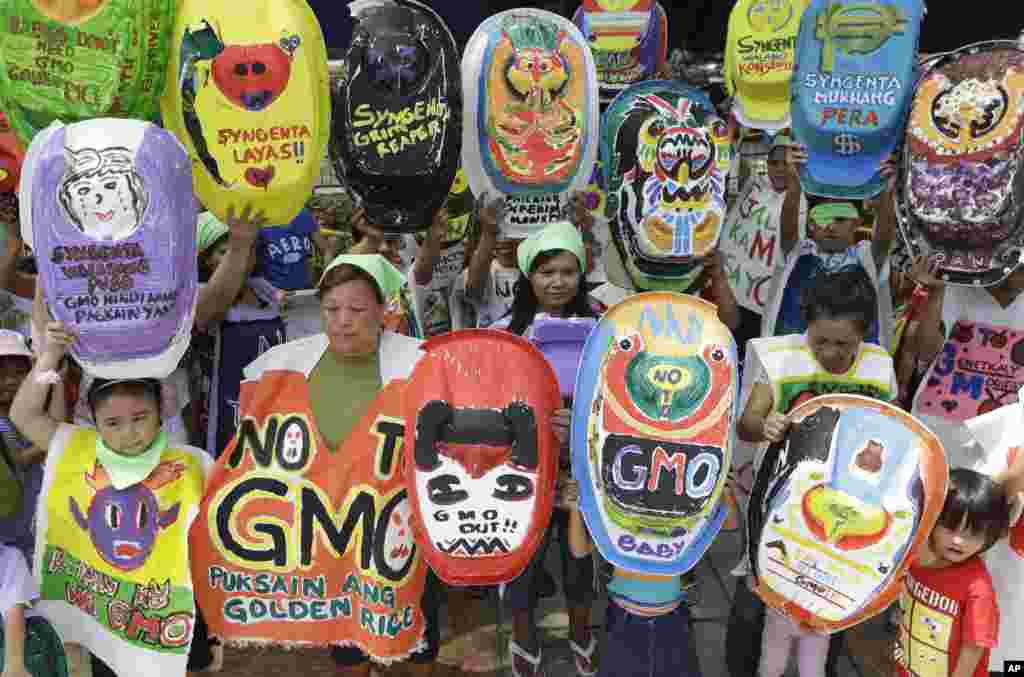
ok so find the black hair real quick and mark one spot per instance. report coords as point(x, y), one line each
point(102, 389)
point(982, 500)
point(524, 303)
point(845, 294)
point(205, 269)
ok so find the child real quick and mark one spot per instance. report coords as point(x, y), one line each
point(127, 448)
point(950, 615)
point(552, 264)
point(489, 281)
point(831, 245)
point(647, 623)
point(22, 469)
point(780, 634)
point(17, 592)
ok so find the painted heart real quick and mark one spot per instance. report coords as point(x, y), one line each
point(950, 405)
point(260, 178)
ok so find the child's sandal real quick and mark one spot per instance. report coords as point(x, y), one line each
point(584, 658)
point(523, 664)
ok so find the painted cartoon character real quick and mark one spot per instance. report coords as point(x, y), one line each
point(250, 76)
point(667, 393)
point(123, 523)
point(101, 192)
point(537, 137)
point(672, 198)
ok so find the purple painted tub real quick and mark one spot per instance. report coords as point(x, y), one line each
point(112, 221)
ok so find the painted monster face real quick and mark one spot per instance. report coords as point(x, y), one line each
point(396, 65)
point(252, 76)
point(123, 524)
point(670, 156)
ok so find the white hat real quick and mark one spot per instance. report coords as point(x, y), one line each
point(13, 343)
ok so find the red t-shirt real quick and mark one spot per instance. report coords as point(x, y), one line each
point(943, 610)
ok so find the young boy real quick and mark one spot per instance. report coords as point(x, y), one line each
point(950, 616)
point(831, 245)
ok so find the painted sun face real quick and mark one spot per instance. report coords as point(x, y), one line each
point(104, 206)
point(70, 13)
point(770, 15)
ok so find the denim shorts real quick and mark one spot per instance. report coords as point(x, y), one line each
point(657, 646)
point(577, 573)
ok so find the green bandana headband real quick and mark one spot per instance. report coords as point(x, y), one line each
point(559, 235)
point(209, 229)
point(828, 212)
point(389, 279)
point(125, 471)
point(781, 141)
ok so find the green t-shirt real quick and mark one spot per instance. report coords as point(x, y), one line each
point(341, 390)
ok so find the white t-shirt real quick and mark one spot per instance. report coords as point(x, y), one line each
point(17, 586)
point(966, 304)
point(493, 304)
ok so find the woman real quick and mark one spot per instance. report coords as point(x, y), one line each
point(552, 264)
point(128, 451)
point(345, 369)
point(830, 357)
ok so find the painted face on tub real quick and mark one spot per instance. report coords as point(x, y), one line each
point(102, 194)
point(478, 461)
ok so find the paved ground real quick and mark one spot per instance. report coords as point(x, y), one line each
point(869, 644)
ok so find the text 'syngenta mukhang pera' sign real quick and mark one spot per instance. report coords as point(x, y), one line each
point(108, 209)
point(852, 89)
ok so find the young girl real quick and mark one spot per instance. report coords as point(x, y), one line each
point(950, 617)
point(127, 449)
point(647, 622)
point(552, 264)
